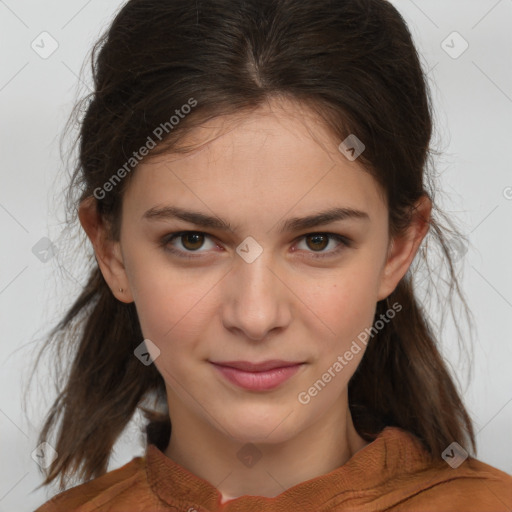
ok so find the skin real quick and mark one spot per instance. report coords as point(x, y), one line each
point(256, 171)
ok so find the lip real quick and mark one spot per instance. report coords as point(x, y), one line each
point(257, 376)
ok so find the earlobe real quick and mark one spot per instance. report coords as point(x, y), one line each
point(403, 248)
point(107, 251)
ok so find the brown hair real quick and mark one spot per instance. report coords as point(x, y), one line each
point(355, 64)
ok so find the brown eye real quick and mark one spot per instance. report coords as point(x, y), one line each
point(192, 241)
point(317, 242)
point(324, 245)
point(188, 244)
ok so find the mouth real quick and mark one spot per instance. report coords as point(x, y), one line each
point(257, 376)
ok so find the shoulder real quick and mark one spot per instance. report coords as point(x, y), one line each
point(472, 487)
point(113, 491)
point(413, 481)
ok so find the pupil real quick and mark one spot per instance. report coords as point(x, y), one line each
point(317, 239)
point(194, 239)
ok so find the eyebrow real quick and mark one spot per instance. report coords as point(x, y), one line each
point(290, 225)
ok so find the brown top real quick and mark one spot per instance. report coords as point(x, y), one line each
point(390, 474)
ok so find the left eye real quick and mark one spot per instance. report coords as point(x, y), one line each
point(193, 241)
point(319, 241)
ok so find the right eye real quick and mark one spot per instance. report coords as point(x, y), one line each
point(190, 242)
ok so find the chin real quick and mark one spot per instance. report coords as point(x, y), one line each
point(264, 427)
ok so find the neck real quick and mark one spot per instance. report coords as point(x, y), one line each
point(266, 469)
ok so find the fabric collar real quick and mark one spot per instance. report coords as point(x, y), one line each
point(394, 451)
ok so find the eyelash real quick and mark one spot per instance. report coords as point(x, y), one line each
point(344, 243)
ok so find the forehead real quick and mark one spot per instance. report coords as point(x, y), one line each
point(278, 157)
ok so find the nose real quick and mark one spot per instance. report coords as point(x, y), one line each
point(257, 301)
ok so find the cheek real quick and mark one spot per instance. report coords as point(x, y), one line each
point(344, 304)
point(171, 303)
point(348, 308)
point(175, 304)
point(167, 314)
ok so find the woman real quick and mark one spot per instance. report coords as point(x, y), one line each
point(253, 180)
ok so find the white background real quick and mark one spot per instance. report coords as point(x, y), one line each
point(473, 103)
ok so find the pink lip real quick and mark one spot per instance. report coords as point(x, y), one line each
point(257, 376)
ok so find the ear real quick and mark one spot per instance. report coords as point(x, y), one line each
point(403, 247)
point(108, 251)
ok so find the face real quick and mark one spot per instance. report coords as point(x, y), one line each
point(226, 264)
